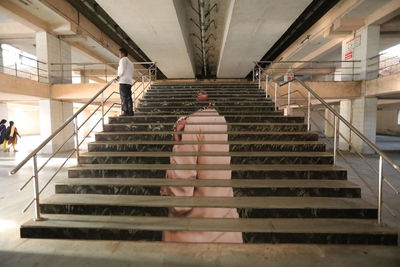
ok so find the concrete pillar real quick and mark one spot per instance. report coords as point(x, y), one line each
point(4, 111)
point(1, 59)
point(364, 119)
point(363, 45)
point(52, 115)
point(328, 129)
point(345, 112)
point(51, 49)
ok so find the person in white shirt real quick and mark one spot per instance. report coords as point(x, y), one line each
point(125, 77)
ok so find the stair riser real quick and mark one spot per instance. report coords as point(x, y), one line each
point(215, 99)
point(273, 238)
point(221, 110)
point(243, 212)
point(93, 147)
point(155, 190)
point(234, 160)
point(284, 174)
point(208, 90)
point(185, 112)
point(170, 127)
point(231, 137)
point(232, 119)
point(196, 104)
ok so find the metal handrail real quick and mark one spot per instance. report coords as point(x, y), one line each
point(59, 129)
point(382, 156)
point(78, 143)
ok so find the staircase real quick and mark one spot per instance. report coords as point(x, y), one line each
point(286, 188)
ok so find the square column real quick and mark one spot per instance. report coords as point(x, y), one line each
point(364, 119)
point(1, 60)
point(345, 112)
point(330, 120)
point(52, 50)
point(3, 111)
point(362, 46)
point(52, 115)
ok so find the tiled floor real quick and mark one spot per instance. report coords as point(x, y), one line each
point(26, 252)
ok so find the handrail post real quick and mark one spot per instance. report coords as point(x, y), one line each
point(380, 178)
point(266, 85)
point(36, 189)
point(259, 77)
point(288, 99)
point(275, 97)
point(77, 139)
point(309, 112)
point(334, 139)
point(102, 109)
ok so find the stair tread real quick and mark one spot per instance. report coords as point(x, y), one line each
point(211, 202)
point(240, 142)
point(238, 115)
point(239, 183)
point(351, 226)
point(237, 154)
point(252, 167)
point(204, 132)
point(212, 123)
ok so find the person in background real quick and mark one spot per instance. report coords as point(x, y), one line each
point(12, 137)
point(125, 77)
point(193, 138)
point(3, 129)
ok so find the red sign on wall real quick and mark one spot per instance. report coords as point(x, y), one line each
point(348, 55)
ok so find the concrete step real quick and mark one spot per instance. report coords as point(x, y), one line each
point(160, 96)
point(205, 85)
point(234, 146)
point(248, 187)
point(228, 118)
point(319, 231)
point(232, 135)
point(244, 126)
point(248, 207)
point(193, 103)
point(220, 109)
point(188, 112)
point(239, 171)
point(191, 98)
point(236, 157)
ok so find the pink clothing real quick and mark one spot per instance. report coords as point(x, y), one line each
point(191, 236)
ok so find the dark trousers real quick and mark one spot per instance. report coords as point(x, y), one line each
point(125, 93)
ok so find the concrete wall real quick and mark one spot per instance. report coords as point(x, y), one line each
point(387, 122)
point(26, 118)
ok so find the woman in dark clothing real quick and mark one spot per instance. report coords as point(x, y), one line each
point(3, 134)
point(12, 136)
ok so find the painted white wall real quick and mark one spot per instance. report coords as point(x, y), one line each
point(387, 122)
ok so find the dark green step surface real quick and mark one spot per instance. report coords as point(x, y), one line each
point(250, 207)
point(249, 187)
point(236, 157)
point(239, 171)
point(319, 231)
point(239, 135)
point(228, 118)
point(258, 127)
point(234, 146)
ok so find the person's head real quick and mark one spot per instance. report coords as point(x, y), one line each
point(202, 96)
point(3, 121)
point(123, 52)
point(11, 123)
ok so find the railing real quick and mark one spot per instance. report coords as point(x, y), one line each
point(308, 70)
point(142, 85)
point(305, 105)
point(25, 67)
point(97, 72)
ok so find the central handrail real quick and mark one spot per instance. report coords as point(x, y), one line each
point(59, 129)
